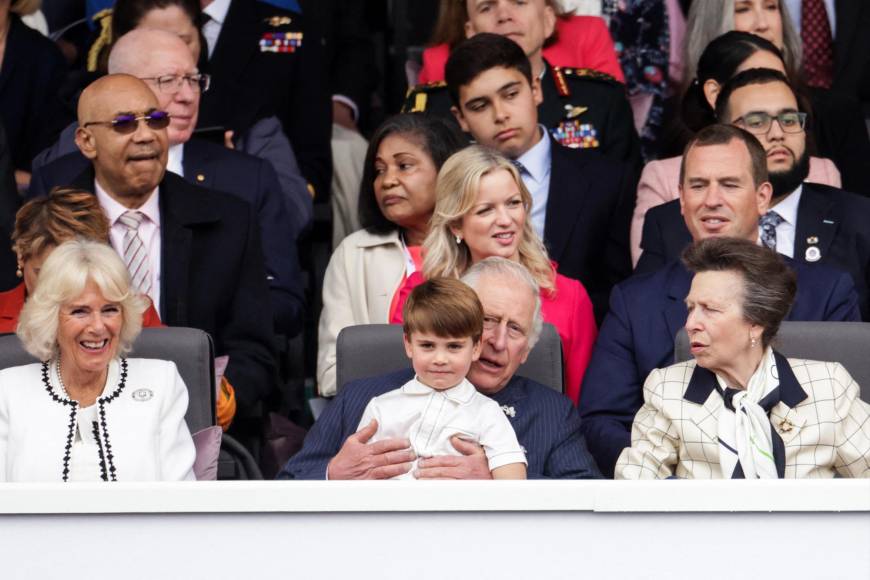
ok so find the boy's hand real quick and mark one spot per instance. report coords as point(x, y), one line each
point(358, 460)
point(472, 464)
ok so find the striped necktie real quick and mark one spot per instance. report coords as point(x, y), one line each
point(135, 254)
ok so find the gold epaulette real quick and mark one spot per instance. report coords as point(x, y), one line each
point(588, 73)
point(561, 83)
point(420, 95)
point(104, 17)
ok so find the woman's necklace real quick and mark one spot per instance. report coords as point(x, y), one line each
point(63, 385)
point(60, 380)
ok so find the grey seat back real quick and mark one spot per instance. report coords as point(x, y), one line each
point(847, 343)
point(369, 350)
point(190, 349)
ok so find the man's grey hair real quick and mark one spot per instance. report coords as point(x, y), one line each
point(496, 266)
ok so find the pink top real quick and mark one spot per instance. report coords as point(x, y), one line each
point(659, 183)
point(407, 284)
point(584, 42)
point(570, 311)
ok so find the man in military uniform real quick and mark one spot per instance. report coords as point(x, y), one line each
point(264, 62)
point(582, 108)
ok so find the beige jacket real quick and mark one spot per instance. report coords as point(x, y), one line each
point(822, 421)
point(363, 275)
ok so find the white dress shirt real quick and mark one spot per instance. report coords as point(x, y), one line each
point(211, 30)
point(175, 160)
point(149, 233)
point(786, 230)
point(536, 164)
point(429, 418)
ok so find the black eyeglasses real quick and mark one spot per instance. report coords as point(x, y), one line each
point(759, 123)
point(127, 123)
point(171, 84)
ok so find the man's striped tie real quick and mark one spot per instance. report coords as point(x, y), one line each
point(135, 254)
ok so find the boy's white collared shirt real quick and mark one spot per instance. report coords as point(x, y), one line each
point(429, 418)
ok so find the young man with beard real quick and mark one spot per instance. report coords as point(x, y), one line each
point(808, 222)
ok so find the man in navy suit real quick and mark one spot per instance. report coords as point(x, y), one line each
point(810, 223)
point(724, 189)
point(161, 59)
point(582, 200)
point(546, 423)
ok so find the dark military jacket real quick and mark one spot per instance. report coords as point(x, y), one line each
point(267, 62)
point(582, 108)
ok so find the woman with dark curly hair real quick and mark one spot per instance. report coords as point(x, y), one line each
point(397, 196)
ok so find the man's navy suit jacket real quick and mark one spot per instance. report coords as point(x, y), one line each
point(836, 218)
point(646, 312)
point(589, 209)
point(217, 168)
point(546, 423)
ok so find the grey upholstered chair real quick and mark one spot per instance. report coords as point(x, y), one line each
point(847, 343)
point(369, 350)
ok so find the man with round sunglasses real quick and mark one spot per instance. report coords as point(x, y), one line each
point(199, 249)
point(163, 61)
point(808, 222)
point(127, 123)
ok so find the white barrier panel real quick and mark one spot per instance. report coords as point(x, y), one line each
point(444, 530)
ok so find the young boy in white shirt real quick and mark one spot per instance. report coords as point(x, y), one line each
point(443, 323)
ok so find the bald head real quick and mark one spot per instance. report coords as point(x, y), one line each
point(151, 54)
point(141, 47)
point(103, 94)
point(127, 165)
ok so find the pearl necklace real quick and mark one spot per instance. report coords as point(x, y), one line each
point(63, 386)
point(60, 380)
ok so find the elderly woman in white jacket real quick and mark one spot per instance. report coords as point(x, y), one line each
point(397, 197)
point(86, 413)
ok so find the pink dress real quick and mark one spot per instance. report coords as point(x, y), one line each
point(583, 42)
point(571, 313)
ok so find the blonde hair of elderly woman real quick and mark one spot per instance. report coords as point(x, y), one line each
point(63, 278)
point(455, 195)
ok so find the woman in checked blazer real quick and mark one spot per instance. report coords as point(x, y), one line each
point(741, 409)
